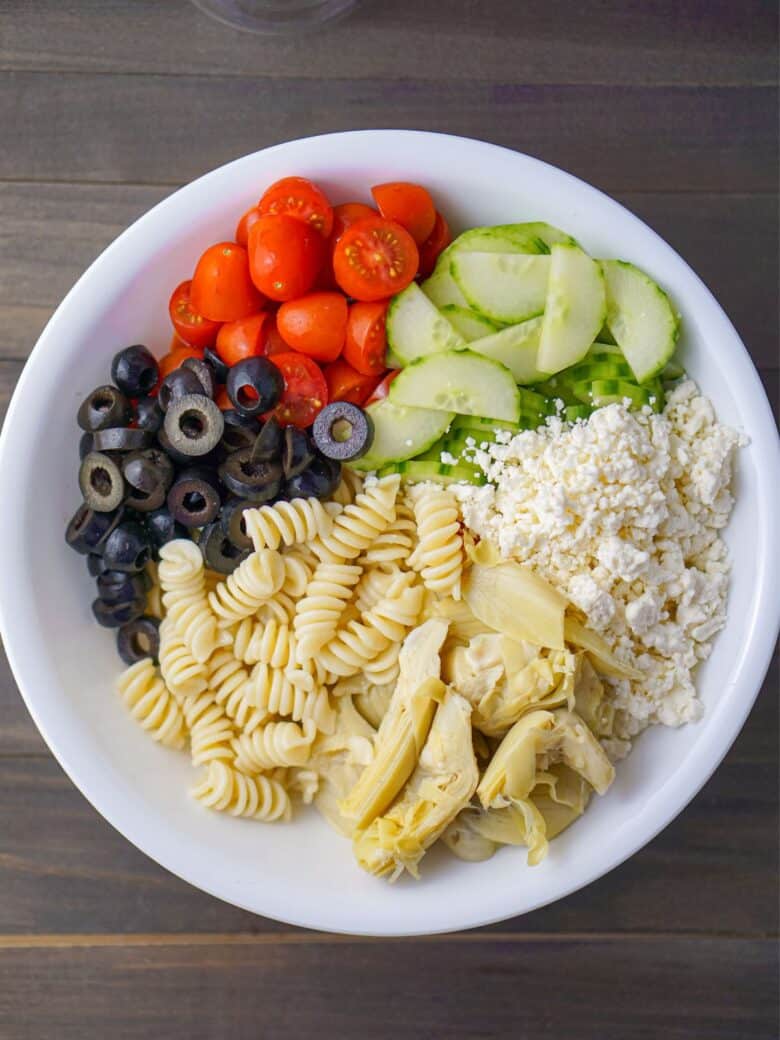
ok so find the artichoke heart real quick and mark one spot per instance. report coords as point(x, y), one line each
point(597, 648)
point(404, 728)
point(512, 599)
point(561, 796)
point(339, 758)
point(442, 784)
point(589, 698)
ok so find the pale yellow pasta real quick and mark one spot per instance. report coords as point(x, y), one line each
point(275, 744)
point(196, 625)
point(439, 554)
point(229, 684)
point(350, 486)
point(317, 613)
point(211, 732)
point(303, 783)
point(252, 583)
point(154, 603)
point(359, 523)
point(393, 546)
point(151, 704)
point(288, 523)
point(383, 669)
point(354, 645)
point(183, 675)
point(298, 569)
point(373, 587)
point(180, 571)
point(270, 641)
point(228, 790)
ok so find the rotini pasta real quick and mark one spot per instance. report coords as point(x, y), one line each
point(439, 554)
point(288, 523)
point(180, 571)
point(151, 704)
point(252, 583)
point(271, 642)
point(229, 685)
point(393, 546)
point(227, 790)
point(317, 614)
point(298, 568)
point(349, 488)
point(276, 744)
point(196, 625)
point(211, 733)
point(358, 525)
point(373, 587)
point(183, 675)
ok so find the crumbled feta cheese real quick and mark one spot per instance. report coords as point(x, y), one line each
point(622, 513)
point(448, 459)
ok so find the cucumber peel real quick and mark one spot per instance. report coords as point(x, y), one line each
point(458, 381)
point(574, 310)
point(640, 317)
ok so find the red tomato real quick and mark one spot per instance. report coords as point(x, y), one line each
point(315, 324)
point(437, 241)
point(381, 391)
point(305, 390)
point(190, 326)
point(237, 340)
point(274, 344)
point(222, 400)
point(221, 287)
point(409, 205)
point(175, 356)
point(299, 198)
point(285, 256)
point(347, 214)
point(366, 343)
point(242, 228)
point(374, 258)
point(346, 384)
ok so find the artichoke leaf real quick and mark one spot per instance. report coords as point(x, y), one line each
point(598, 649)
point(513, 600)
point(339, 758)
point(561, 796)
point(589, 698)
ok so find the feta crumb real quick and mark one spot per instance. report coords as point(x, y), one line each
point(448, 459)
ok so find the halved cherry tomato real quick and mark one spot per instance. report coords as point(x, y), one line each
point(305, 390)
point(222, 400)
point(299, 198)
point(437, 241)
point(273, 344)
point(409, 205)
point(221, 287)
point(374, 258)
point(285, 256)
point(381, 391)
point(347, 384)
point(241, 339)
point(315, 324)
point(366, 343)
point(176, 355)
point(191, 326)
point(344, 215)
point(242, 228)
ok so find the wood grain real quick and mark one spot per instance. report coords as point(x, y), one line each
point(664, 41)
point(619, 138)
point(680, 989)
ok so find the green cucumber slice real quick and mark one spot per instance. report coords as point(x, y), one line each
point(573, 412)
point(640, 317)
point(468, 323)
point(458, 381)
point(672, 370)
point(502, 238)
point(441, 288)
point(516, 347)
point(504, 287)
point(479, 425)
point(547, 233)
point(417, 470)
point(575, 308)
point(602, 392)
point(415, 327)
point(400, 432)
point(587, 371)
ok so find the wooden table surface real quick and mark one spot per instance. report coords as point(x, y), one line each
point(106, 106)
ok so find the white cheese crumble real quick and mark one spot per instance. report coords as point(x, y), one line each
point(622, 513)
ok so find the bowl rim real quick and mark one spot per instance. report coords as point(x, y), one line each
point(708, 752)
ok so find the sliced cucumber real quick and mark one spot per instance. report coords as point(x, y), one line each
point(505, 287)
point(587, 371)
point(574, 310)
point(640, 317)
point(458, 381)
point(556, 388)
point(441, 288)
point(516, 347)
point(503, 238)
point(468, 323)
point(416, 328)
point(672, 370)
point(539, 229)
point(573, 412)
point(478, 425)
point(533, 404)
point(602, 392)
point(417, 470)
point(401, 432)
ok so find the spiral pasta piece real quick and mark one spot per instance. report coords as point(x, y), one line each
point(304, 784)
point(287, 523)
point(181, 571)
point(211, 733)
point(151, 704)
point(384, 669)
point(275, 692)
point(229, 685)
point(399, 610)
point(272, 642)
point(393, 546)
point(196, 625)
point(354, 644)
point(276, 744)
point(349, 488)
point(183, 674)
point(258, 798)
point(373, 587)
point(317, 614)
point(154, 603)
point(298, 569)
point(358, 525)
point(439, 554)
point(251, 584)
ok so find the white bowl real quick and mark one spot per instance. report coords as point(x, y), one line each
point(65, 665)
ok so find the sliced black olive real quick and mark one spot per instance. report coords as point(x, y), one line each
point(179, 383)
point(269, 442)
point(119, 587)
point(117, 614)
point(96, 565)
point(194, 499)
point(138, 639)
point(254, 385)
point(194, 424)
point(149, 475)
point(88, 530)
point(247, 478)
point(318, 481)
point(219, 553)
point(134, 370)
point(118, 438)
point(162, 527)
point(232, 520)
point(85, 445)
point(220, 368)
point(128, 548)
point(101, 483)
point(297, 452)
point(106, 406)
point(240, 430)
point(204, 374)
point(148, 414)
point(343, 431)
